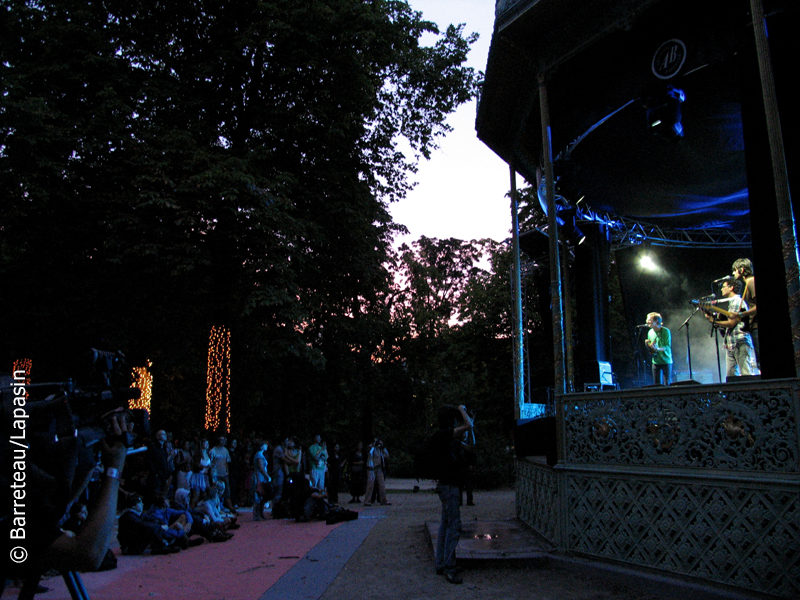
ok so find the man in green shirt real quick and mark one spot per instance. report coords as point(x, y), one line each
point(659, 342)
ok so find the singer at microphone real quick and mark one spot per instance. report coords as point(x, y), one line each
point(659, 343)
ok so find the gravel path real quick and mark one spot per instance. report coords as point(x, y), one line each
point(396, 562)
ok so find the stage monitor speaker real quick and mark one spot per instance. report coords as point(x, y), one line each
point(740, 378)
point(537, 438)
point(687, 382)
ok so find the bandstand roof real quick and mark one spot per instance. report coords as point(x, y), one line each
point(598, 59)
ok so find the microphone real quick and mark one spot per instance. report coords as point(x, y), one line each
point(706, 301)
point(642, 326)
point(726, 278)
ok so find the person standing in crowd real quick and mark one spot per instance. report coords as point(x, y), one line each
point(334, 474)
point(376, 469)
point(743, 271)
point(278, 473)
point(235, 473)
point(293, 456)
point(220, 467)
point(261, 480)
point(317, 457)
point(659, 343)
point(358, 474)
point(446, 455)
point(158, 474)
point(198, 480)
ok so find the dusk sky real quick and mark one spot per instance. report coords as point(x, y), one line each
point(461, 191)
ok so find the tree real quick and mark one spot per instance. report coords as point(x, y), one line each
point(166, 167)
point(456, 305)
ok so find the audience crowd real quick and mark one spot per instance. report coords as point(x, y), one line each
point(178, 493)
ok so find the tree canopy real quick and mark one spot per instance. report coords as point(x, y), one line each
point(170, 165)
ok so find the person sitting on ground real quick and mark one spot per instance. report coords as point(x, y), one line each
point(209, 507)
point(220, 502)
point(78, 513)
point(135, 534)
point(176, 524)
point(201, 522)
point(305, 501)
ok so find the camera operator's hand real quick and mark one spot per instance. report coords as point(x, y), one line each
point(85, 551)
point(114, 448)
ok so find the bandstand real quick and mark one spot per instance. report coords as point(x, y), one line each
point(647, 122)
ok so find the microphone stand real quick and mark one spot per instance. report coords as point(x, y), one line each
point(637, 353)
point(689, 343)
point(715, 335)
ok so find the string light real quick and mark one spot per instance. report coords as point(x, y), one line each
point(142, 379)
point(218, 379)
point(24, 364)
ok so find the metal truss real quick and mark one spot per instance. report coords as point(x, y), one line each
point(627, 232)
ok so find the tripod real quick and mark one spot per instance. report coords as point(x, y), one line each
point(77, 591)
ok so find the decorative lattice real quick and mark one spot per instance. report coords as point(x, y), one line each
point(739, 535)
point(743, 429)
point(702, 481)
point(537, 498)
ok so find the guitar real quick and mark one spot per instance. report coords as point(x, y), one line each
point(705, 306)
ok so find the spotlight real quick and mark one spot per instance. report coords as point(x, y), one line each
point(646, 262)
point(664, 114)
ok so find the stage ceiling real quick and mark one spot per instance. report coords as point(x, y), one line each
point(605, 63)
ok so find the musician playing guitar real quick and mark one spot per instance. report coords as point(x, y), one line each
point(659, 343)
point(743, 271)
point(739, 355)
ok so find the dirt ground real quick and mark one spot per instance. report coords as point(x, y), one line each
point(396, 562)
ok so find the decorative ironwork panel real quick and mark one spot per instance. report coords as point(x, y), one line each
point(537, 498)
point(746, 428)
point(745, 536)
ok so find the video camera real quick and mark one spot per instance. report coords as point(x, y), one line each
point(62, 408)
point(54, 429)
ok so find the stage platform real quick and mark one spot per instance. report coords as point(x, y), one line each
point(694, 481)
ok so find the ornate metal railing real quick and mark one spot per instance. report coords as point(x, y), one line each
point(751, 429)
point(700, 481)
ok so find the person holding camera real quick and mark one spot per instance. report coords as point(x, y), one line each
point(85, 550)
point(376, 472)
point(448, 463)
